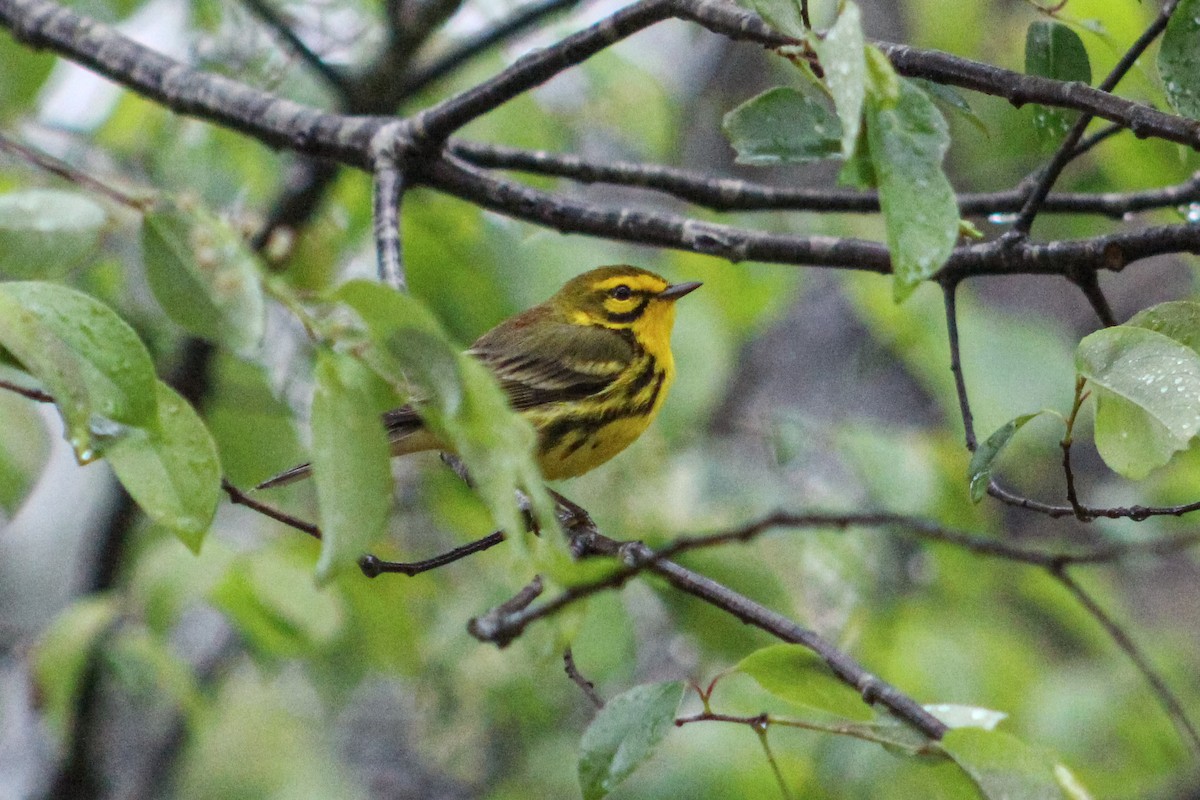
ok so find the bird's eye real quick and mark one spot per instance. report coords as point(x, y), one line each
point(621, 292)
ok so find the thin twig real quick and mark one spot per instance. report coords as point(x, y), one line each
point(928, 530)
point(503, 624)
point(1089, 283)
point(1067, 440)
point(587, 687)
point(1089, 142)
point(838, 729)
point(521, 20)
point(265, 12)
point(25, 391)
point(1067, 150)
point(1166, 697)
point(949, 292)
point(437, 122)
point(238, 497)
point(64, 170)
point(373, 566)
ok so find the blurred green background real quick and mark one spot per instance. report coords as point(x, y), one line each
point(229, 674)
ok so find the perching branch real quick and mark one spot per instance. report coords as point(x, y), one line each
point(501, 625)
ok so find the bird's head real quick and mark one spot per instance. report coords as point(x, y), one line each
point(621, 296)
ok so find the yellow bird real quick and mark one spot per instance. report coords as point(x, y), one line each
point(589, 368)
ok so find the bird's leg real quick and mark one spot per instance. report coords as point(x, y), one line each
point(576, 521)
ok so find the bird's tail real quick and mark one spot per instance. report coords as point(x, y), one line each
point(405, 431)
point(296, 473)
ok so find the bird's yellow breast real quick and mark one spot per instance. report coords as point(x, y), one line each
point(573, 440)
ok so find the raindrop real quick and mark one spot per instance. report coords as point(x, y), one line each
point(1002, 218)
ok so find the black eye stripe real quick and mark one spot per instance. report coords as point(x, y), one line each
point(633, 313)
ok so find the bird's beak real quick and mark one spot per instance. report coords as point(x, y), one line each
point(678, 290)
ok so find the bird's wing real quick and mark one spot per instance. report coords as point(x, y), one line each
point(540, 363)
point(552, 361)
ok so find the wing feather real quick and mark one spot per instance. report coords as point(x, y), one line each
point(539, 361)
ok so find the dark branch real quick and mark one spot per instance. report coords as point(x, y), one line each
point(731, 194)
point(373, 567)
point(389, 187)
point(1067, 150)
point(949, 297)
point(436, 123)
point(64, 170)
point(265, 12)
point(238, 497)
point(1020, 89)
point(587, 687)
point(1165, 696)
point(25, 391)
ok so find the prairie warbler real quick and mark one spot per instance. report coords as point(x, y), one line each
point(589, 368)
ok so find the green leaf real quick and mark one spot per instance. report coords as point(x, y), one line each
point(276, 608)
point(204, 276)
point(949, 97)
point(1147, 390)
point(1001, 766)
point(959, 716)
point(980, 471)
point(1176, 319)
point(459, 400)
point(858, 170)
point(170, 467)
point(1053, 50)
point(1071, 787)
point(87, 357)
point(61, 656)
point(350, 459)
point(146, 664)
point(797, 675)
point(1179, 59)
point(23, 449)
point(907, 143)
point(882, 81)
point(624, 734)
point(782, 126)
point(253, 428)
point(45, 233)
point(842, 51)
point(782, 15)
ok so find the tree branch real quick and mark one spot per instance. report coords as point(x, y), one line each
point(731, 194)
point(271, 18)
point(1067, 150)
point(389, 187)
point(1165, 696)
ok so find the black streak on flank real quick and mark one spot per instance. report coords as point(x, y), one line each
point(584, 427)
